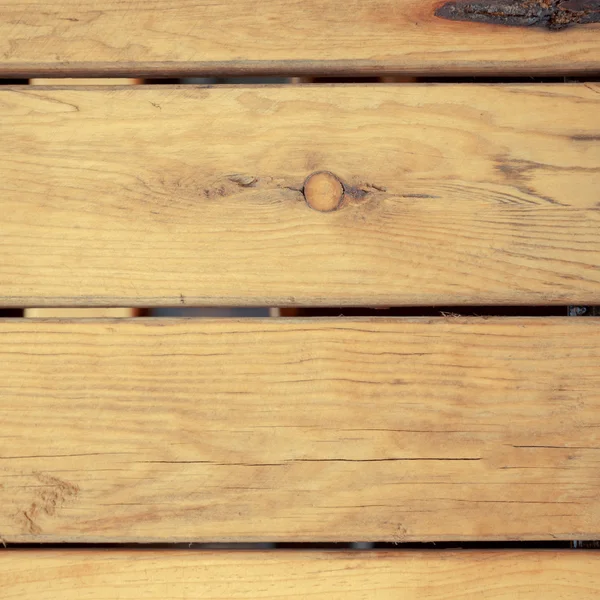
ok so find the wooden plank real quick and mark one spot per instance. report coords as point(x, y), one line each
point(148, 575)
point(81, 313)
point(454, 194)
point(74, 81)
point(371, 37)
point(299, 429)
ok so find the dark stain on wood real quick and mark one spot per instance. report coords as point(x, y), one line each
point(551, 14)
point(354, 192)
point(585, 138)
point(519, 174)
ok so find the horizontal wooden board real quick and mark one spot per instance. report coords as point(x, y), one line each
point(83, 81)
point(299, 429)
point(454, 194)
point(148, 575)
point(185, 37)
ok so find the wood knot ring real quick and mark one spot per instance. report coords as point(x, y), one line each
point(323, 191)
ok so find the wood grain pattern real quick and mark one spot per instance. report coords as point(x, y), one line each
point(200, 37)
point(285, 429)
point(188, 575)
point(455, 194)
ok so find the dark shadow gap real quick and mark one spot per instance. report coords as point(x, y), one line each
point(449, 79)
point(211, 312)
point(443, 311)
point(446, 311)
point(213, 80)
point(484, 79)
point(508, 545)
point(357, 311)
point(7, 313)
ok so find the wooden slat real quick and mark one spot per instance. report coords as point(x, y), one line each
point(184, 37)
point(148, 575)
point(454, 194)
point(74, 81)
point(286, 429)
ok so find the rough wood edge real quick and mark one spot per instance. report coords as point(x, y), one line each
point(291, 68)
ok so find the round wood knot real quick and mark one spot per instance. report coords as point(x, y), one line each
point(323, 191)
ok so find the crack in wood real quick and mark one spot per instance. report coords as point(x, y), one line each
point(551, 14)
point(308, 460)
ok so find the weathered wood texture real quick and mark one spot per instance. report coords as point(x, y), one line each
point(189, 575)
point(268, 429)
point(183, 37)
point(454, 194)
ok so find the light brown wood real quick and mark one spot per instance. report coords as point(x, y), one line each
point(84, 81)
point(149, 575)
point(455, 194)
point(323, 191)
point(46, 313)
point(299, 429)
point(180, 37)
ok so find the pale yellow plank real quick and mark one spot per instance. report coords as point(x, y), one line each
point(189, 575)
point(84, 81)
point(454, 194)
point(181, 37)
point(299, 429)
point(45, 313)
